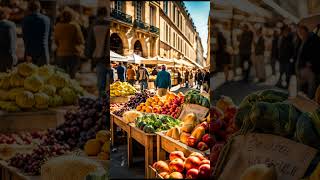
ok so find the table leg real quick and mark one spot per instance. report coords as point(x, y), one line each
point(148, 155)
point(113, 128)
point(129, 141)
point(161, 154)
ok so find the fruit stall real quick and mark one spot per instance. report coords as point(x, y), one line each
point(268, 133)
point(51, 128)
point(164, 125)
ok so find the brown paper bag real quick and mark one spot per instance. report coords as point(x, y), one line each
point(198, 110)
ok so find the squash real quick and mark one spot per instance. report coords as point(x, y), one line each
point(259, 172)
point(187, 128)
point(130, 116)
point(184, 137)
point(169, 133)
point(176, 133)
point(92, 147)
point(198, 132)
point(190, 118)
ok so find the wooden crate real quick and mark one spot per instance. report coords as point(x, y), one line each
point(32, 121)
point(166, 144)
point(120, 99)
point(149, 143)
point(11, 173)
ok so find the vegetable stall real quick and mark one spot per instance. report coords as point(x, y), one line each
point(51, 128)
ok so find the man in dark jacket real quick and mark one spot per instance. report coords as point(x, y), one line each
point(36, 34)
point(121, 71)
point(308, 61)
point(163, 81)
point(286, 52)
point(142, 77)
point(245, 45)
point(7, 41)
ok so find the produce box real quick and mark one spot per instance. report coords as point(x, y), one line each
point(32, 121)
point(120, 99)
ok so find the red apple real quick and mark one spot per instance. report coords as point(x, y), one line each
point(176, 175)
point(202, 146)
point(164, 174)
point(176, 154)
point(198, 155)
point(176, 165)
point(192, 141)
point(161, 166)
point(205, 161)
point(208, 139)
point(192, 174)
point(204, 171)
point(192, 162)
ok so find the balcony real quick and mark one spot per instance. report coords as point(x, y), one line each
point(140, 24)
point(154, 29)
point(121, 16)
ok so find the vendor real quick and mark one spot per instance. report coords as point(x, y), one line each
point(163, 81)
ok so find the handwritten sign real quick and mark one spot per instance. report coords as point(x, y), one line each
point(198, 110)
point(291, 159)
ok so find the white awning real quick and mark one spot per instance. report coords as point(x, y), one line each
point(134, 58)
point(117, 57)
point(158, 60)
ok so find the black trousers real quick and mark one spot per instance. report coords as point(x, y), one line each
point(246, 72)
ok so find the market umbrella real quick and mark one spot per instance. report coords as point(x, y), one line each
point(311, 22)
point(117, 57)
point(136, 59)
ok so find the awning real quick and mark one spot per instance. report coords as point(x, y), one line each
point(117, 57)
point(158, 60)
point(134, 58)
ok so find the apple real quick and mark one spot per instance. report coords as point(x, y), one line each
point(176, 154)
point(192, 162)
point(202, 146)
point(176, 165)
point(208, 139)
point(176, 175)
point(204, 171)
point(198, 155)
point(192, 141)
point(161, 166)
point(205, 161)
point(164, 174)
point(192, 174)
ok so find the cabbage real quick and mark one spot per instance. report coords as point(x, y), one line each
point(50, 90)
point(4, 81)
point(25, 99)
point(42, 100)
point(33, 83)
point(26, 69)
point(55, 101)
point(46, 71)
point(58, 80)
point(16, 80)
point(68, 95)
point(13, 93)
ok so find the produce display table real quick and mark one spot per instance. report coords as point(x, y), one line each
point(11, 173)
point(116, 121)
point(167, 144)
point(32, 120)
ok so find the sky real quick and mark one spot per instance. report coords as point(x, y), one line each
point(199, 12)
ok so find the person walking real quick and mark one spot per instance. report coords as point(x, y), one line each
point(206, 80)
point(8, 41)
point(200, 79)
point(131, 74)
point(95, 47)
point(36, 33)
point(69, 40)
point(143, 77)
point(121, 71)
point(245, 46)
point(191, 78)
point(179, 77)
point(286, 52)
point(163, 81)
point(308, 61)
point(186, 77)
point(154, 71)
point(259, 56)
point(274, 51)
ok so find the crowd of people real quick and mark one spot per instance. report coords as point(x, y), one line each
point(295, 48)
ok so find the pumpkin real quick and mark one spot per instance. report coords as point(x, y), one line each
point(92, 147)
point(103, 136)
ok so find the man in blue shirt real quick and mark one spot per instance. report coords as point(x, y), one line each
point(8, 39)
point(36, 34)
point(121, 71)
point(163, 81)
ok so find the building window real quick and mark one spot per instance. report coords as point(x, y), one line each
point(138, 10)
point(118, 5)
point(152, 16)
point(174, 14)
point(165, 7)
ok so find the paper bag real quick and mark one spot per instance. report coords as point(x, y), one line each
point(290, 158)
point(198, 110)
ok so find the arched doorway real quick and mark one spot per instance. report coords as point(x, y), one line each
point(116, 44)
point(137, 47)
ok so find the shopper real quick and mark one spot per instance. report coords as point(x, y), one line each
point(191, 79)
point(121, 71)
point(179, 77)
point(69, 41)
point(196, 76)
point(286, 52)
point(163, 81)
point(308, 61)
point(131, 74)
point(95, 47)
point(8, 42)
point(246, 40)
point(259, 56)
point(154, 71)
point(143, 77)
point(274, 51)
point(36, 34)
point(186, 78)
point(200, 79)
point(206, 80)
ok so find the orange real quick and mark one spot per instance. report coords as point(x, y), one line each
point(148, 103)
point(143, 108)
point(160, 103)
point(138, 108)
point(149, 109)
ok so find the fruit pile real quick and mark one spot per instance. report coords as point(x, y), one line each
point(196, 166)
point(134, 101)
point(121, 89)
point(116, 106)
point(152, 105)
point(173, 104)
point(193, 133)
point(22, 138)
point(100, 146)
point(32, 87)
point(151, 123)
point(194, 97)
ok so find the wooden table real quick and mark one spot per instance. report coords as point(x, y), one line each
point(148, 141)
point(116, 121)
point(11, 173)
